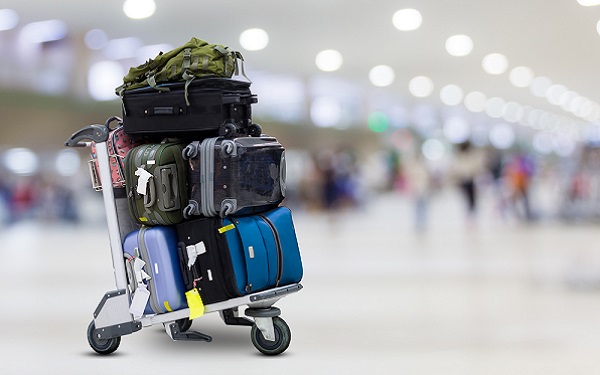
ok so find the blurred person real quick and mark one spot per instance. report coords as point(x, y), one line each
point(23, 199)
point(418, 182)
point(468, 164)
point(518, 172)
point(495, 167)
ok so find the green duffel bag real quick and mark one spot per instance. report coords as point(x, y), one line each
point(156, 183)
point(197, 58)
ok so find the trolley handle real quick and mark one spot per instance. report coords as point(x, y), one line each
point(95, 133)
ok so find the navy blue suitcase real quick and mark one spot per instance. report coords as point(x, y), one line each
point(234, 256)
point(157, 247)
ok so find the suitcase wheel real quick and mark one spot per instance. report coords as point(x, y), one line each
point(184, 324)
point(283, 337)
point(101, 346)
point(254, 130)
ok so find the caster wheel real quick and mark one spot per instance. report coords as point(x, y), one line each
point(101, 346)
point(184, 324)
point(283, 337)
point(255, 130)
point(228, 130)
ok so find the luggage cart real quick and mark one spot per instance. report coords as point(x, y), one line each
point(270, 334)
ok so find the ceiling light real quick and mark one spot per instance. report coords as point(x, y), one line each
point(8, 19)
point(421, 86)
point(67, 162)
point(554, 94)
point(329, 60)
point(539, 86)
point(95, 39)
point(325, 111)
point(512, 112)
point(494, 107)
point(502, 136)
point(475, 101)
point(407, 19)
point(451, 95)
point(254, 39)
point(21, 161)
point(495, 63)
point(44, 31)
point(378, 122)
point(459, 45)
point(138, 9)
point(382, 75)
point(456, 129)
point(122, 48)
point(433, 149)
point(588, 3)
point(521, 76)
point(103, 77)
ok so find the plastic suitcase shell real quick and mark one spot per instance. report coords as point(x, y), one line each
point(157, 246)
point(241, 255)
point(213, 103)
point(237, 176)
point(167, 191)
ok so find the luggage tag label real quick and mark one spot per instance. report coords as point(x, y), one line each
point(143, 178)
point(193, 251)
point(226, 228)
point(140, 299)
point(195, 303)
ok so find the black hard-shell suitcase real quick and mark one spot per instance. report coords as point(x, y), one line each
point(236, 176)
point(207, 107)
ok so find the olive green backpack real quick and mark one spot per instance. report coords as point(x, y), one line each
point(192, 60)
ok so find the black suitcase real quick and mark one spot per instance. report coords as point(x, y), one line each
point(214, 277)
point(207, 107)
point(236, 176)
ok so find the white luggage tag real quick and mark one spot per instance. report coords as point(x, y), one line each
point(193, 251)
point(141, 295)
point(143, 178)
point(139, 302)
point(140, 275)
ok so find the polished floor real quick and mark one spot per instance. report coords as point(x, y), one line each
point(490, 296)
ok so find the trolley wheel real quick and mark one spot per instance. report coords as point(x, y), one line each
point(184, 324)
point(283, 337)
point(101, 346)
point(255, 130)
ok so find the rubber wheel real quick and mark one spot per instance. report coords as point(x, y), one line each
point(228, 130)
point(101, 346)
point(283, 337)
point(255, 130)
point(184, 324)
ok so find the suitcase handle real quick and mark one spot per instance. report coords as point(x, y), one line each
point(169, 188)
point(150, 197)
point(95, 133)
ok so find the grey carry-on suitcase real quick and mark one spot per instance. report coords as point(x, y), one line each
point(236, 176)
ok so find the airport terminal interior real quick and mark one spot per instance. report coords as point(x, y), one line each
point(443, 165)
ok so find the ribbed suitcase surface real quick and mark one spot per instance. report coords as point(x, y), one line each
point(235, 176)
point(157, 247)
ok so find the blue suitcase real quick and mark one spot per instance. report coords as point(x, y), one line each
point(235, 256)
point(157, 247)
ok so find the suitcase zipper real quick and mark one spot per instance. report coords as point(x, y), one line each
point(146, 258)
point(279, 249)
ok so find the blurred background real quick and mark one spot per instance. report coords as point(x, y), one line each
point(443, 161)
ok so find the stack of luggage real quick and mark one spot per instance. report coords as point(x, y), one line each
point(198, 187)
